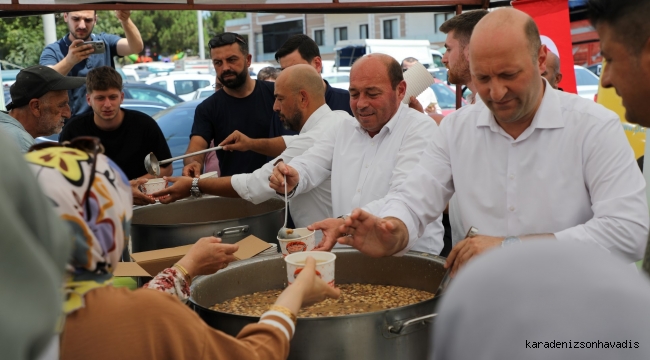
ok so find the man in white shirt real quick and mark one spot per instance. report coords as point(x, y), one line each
point(300, 103)
point(367, 157)
point(526, 162)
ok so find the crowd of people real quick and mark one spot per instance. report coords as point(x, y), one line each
point(544, 174)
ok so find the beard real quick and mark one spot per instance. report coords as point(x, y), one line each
point(291, 122)
point(459, 74)
point(237, 82)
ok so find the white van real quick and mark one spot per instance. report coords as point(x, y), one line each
point(347, 51)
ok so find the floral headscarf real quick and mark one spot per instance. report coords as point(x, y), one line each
point(100, 233)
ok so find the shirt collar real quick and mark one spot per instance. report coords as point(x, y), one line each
point(390, 125)
point(11, 120)
point(548, 115)
point(315, 117)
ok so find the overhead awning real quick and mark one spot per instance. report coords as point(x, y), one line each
point(10, 8)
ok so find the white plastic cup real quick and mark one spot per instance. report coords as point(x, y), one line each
point(211, 174)
point(306, 242)
point(153, 185)
point(324, 265)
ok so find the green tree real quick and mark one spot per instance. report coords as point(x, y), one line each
point(22, 40)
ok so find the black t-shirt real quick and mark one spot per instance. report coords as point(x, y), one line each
point(221, 114)
point(128, 145)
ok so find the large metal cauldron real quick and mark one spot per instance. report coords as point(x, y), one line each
point(378, 335)
point(184, 222)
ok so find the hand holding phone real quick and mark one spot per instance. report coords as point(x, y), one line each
point(99, 46)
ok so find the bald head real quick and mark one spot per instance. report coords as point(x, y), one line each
point(302, 77)
point(393, 68)
point(299, 91)
point(507, 25)
point(504, 70)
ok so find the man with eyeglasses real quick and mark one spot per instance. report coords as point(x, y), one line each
point(39, 104)
point(71, 56)
point(244, 105)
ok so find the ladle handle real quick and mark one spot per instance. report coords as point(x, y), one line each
point(190, 154)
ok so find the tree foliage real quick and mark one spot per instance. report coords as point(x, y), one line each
point(163, 32)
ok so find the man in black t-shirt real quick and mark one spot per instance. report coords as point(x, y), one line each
point(243, 104)
point(128, 136)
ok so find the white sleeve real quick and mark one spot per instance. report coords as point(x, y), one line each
point(423, 195)
point(618, 198)
point(315, 165)
point(254, 187)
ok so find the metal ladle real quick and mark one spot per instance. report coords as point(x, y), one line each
point(282, 233)
point(152, 164)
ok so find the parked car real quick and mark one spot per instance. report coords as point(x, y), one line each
point(150, 108)
point(439, 73)
point(587, 82)
point(596, 68)
point(176, 125)
point(340, 80)
point(9, 71)
point(183, 85)
point(204, 92)
point(144, 92)
point(446, 97)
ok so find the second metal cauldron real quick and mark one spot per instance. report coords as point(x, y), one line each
point(387, 334)
point(184, 222)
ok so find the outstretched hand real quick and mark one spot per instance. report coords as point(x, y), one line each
point(179, 190)
point(207, 256)
point(330, 229)
point(372, 235)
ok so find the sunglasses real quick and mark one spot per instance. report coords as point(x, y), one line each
point(89, 144)
point(225, 39)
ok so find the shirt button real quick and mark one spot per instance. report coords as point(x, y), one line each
point(512, 177)
point(366, 166)
point(358, 190)
point(512, 208)
point(514, 144)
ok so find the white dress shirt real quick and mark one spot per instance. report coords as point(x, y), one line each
point(363, 168)
point(305, 208)
point(571, 173)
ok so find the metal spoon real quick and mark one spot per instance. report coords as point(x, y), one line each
point(282, 233)
point(446, 278)
point(152, 164)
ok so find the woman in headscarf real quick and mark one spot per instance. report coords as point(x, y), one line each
point(103, 322)
point(545, 300)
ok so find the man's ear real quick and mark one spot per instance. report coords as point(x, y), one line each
point(304, 99)
point(558, 78)
point(35, 107)
point(541, 58)
point(88, 99)
point(401, 90)
point(318, 64)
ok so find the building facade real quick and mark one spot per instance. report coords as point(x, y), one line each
point(267, 32)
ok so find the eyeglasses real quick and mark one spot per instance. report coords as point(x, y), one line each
point(225, 39)
point(89, 144)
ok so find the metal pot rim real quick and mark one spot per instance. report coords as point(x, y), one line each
point(197, 282)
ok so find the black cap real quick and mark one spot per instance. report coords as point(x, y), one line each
point(36, 81)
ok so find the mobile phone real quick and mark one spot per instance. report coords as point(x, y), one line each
point(99, 46)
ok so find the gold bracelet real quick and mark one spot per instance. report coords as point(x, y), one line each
point(186, 274)
point(285, 311)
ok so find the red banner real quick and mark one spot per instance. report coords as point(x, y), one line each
point(552, 19)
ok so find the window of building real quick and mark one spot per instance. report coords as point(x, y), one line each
point(319, 37)
point(363, 31)
point(276, 34)
point(439, 19)
point(340, 33)
point(391, 29)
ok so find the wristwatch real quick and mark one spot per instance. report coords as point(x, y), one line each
point(194, 190)
point(509, 240)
